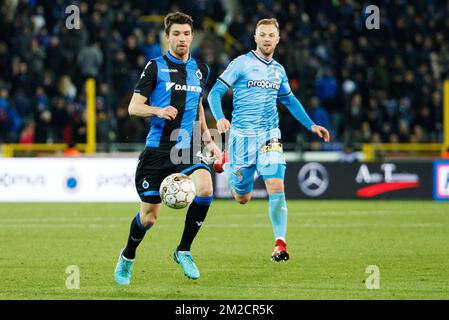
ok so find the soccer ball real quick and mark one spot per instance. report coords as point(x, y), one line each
point(177, 191)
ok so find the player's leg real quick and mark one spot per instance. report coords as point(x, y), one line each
point(144, 220)
point(240, 168)
point(196, 214)
point(147, 180)
point(243, 182)
point(228, 174)
point(278, 215)
point(271, 166)
point(197, 211)
point(140, 224)
point(242, 198)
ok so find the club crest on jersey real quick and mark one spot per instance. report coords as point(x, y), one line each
point(239, 175)
point(178, 87)
point(199, 74)
point(263, 84)
point(277, 74)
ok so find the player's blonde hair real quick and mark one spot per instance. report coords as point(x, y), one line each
point(272, 21)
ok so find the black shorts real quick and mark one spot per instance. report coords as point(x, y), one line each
point(154, 166)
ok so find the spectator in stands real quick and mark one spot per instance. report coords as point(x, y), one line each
point(318, 114)
point(10, 120)
point(4, 109)
point(150, 48)
point(23, 104)
point(67, 89)
point(27, 134)
point(132, 51)
point(90, 60)
point(348, 155)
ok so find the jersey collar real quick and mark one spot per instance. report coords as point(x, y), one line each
point(267, 62)
point(176, 60)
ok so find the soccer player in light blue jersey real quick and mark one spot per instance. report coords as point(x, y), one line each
point(255, 145)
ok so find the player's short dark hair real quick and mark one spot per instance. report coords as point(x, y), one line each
point(179, 18)
point(272, 21)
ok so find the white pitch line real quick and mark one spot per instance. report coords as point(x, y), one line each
point(234, 225)
point(174, 215)
point(56, 226)
point(76, 219)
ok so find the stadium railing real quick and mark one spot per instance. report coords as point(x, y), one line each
point(12, 149)
point(402, 151)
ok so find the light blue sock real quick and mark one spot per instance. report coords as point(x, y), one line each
point(278, 214)
point(228, 175)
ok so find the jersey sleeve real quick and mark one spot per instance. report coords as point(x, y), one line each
point(147, 80)
point(284, 89)
point(232, 72)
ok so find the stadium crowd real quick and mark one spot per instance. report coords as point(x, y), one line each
point(364, 85)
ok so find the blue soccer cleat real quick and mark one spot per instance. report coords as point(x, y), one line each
point(123, 270)
point(185, 260)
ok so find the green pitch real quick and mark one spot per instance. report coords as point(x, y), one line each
point(331, 245)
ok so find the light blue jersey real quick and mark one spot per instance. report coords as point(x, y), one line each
point(255, 139)
point(257, 84)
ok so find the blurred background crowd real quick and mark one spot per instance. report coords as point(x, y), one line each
point(364, 85)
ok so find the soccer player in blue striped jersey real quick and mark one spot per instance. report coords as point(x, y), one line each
point(169, 93)
point(255, 145)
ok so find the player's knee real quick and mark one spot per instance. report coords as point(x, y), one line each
point(148, 219)
point(243, 199)
point(277, 189)
point(203, 183)
point(274, 185)
point(148, 216)
point(205, 190)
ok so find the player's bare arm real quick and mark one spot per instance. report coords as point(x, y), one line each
point(205, 133)
point(138, 108)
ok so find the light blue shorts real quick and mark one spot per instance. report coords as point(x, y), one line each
point(255, 155)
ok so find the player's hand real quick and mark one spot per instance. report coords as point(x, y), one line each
point(223, 125)
point(321, 132)
point(168, 113)
point(214, 150)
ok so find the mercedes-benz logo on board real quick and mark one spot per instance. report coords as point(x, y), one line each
point(313, 179)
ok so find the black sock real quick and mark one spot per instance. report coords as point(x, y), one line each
point(136, 234)
point(194, 219)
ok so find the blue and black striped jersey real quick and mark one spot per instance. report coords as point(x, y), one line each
point(168, 81)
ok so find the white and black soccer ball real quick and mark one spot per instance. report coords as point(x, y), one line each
point(177, 191)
